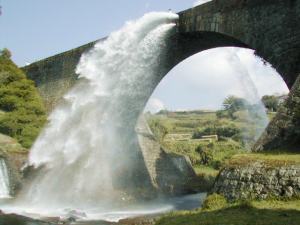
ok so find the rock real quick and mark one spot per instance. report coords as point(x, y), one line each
point(258, 182)
point(8, 144)
point(15, 157)
point(73, 215)
point(288, 191)
point(283, 131)
point(170, 174)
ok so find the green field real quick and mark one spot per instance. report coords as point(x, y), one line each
point(252, 213)
point(176, 133)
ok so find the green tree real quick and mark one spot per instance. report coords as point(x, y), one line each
point(22, 111)
point(233, 104)
point(222, 114)
point(5, 53)
point(271, 102)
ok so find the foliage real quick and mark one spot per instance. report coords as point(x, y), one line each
point(24, 113)
point(271, 102)
point(224, 131)
point(214, 202)
point(158, 128)
point(216, 155)
point(206, 154)
point(234, 103)
point(163, 112)
point(5, 53)
point(222, 114)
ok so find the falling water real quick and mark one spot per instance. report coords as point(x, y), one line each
point(257, 116)
point(88, 156)
point(4, 180)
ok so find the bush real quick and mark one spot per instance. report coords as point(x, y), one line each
point(214, 202)
point(24, 113)
point(222, 131)
point(222, 114)
point(206, 155)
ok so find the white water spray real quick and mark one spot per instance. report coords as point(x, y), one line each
point(88, 154)
point(257, 116)
point(4, 180)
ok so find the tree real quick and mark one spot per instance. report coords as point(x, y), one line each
point(271, 102)
point(22, 112)
point(5, 53)
point(222, 114)
point(233, 104)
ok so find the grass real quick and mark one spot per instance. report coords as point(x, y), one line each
point(277, 204)
point(250, 213)
point(269, 159)
point(236, 215)
point(221, 151)
point(205, 170)
point(206, 176)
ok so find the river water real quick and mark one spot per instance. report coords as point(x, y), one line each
point(4, 180)
point(92, 214)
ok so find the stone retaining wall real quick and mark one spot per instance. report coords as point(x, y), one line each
point(258, 181)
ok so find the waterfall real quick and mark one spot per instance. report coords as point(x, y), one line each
point(4, 180)
point(257, 117)
point(88, 155)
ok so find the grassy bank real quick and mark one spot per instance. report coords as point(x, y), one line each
point(272, 159)
point(217, 211)
point(254, 213)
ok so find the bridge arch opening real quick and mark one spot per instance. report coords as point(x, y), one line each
point(185, 44)
point(188, 103)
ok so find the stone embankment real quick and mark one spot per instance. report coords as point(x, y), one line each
point(258, 181)
point(170, 174)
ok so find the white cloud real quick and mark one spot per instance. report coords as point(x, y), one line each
point(200, 2)
point(205, 79)
point(154, 105)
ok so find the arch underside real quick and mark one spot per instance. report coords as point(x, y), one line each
point(184, 45)
point(283, 131)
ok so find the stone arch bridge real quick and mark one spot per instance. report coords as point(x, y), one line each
point(270, 27)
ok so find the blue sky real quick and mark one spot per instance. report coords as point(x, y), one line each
point(35, 29)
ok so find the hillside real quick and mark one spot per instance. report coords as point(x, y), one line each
point(22, 112)
point(206, 138)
